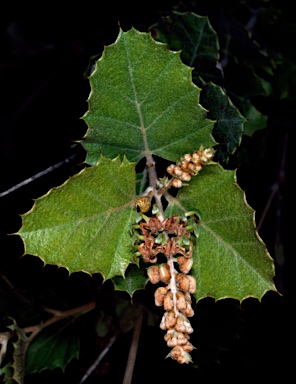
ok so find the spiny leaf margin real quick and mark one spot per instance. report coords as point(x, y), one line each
point(143, 102)
point(84, 224)
point(230, 259)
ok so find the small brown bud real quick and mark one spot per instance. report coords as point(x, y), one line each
point(178, 170)
point(184, 165)
point(181, 302)
point(144, 203)
point(196, 157)
point(164, 273)
point(188, 347)
point(188, 311)
point(174, 338)
point(176, 183)
point(178, 353)
point(187, 157)
point(186, 282)
point(168, 303)
point(168, 320)
point(185, 176)
point(185, 264)
point(183, 324)
point(170, 169)
point(153, 274)
point(159, 296)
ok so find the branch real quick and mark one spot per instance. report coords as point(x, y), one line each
point(133, 351)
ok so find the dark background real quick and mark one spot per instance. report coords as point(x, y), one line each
point(44, 54)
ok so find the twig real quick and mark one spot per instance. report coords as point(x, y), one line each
point(37, 175)
point(58, 315)
point(98, 360)
point(133, 351)
point(275, 189)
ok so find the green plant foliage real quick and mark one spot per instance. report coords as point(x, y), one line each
point(134, 279)
point(229, 125)
point(54, 347)
point(84, 224)
point(195, 37)
point(143, 102)
point(194, 34)
point(200, 48)
point(230, 260)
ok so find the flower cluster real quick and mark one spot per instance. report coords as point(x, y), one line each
point(171, 238)
point(189, 166)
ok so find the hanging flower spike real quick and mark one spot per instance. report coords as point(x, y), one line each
point(171, 238)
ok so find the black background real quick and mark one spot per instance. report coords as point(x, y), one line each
point(44, 53)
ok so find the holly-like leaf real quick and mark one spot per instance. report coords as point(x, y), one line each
point(134, 279)
point(200, 48)
point(194, 35)
point(230, 260)
point(84, 225)
point(143, 102)
point(54, 347)
point(229, 124)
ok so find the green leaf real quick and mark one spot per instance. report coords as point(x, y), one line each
point(230, 260)
point(200, 48)
point(134, 279)
point(229, 122)
point(53, 347)
point(255, 119)
point(143, 102)
point(84, 225)
point(194, 35)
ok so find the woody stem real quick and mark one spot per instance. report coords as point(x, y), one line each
point(153, 181)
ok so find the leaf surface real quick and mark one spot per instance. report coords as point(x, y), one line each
point(54, 347)
point(134, 279)
point(84, 225)
point(200, 48)
point(230, 260)
point(143, 102)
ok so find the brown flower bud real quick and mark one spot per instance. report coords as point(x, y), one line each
point(183, 324)
point(170, 169)
point(168, 303)
point(153, 274)
point(144, 203)
point(164, 273)
point(188, 311)
point(188, 347)
point(168, 320)
point(186, 282)
point(178, 353)
point(174, 338)
point(185, 264)
point(187, 157)
point(176, 183)
point(181, 302)
point(178, 170)
point(184, 165)
point(185, 176)
point(159, 296)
